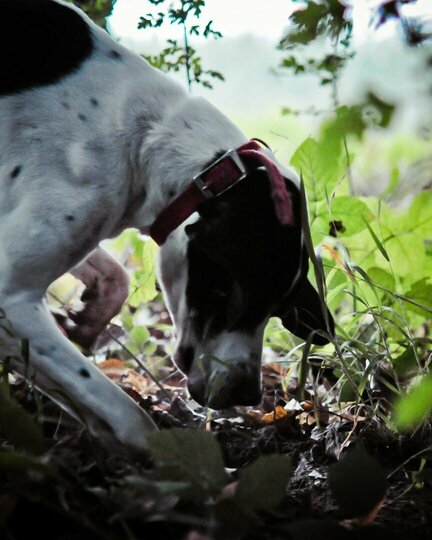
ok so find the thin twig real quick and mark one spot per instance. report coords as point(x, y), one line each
point(418, 454)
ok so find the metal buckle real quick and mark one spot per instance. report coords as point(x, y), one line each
point(204, 188)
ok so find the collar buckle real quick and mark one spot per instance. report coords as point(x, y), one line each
point(205, 189)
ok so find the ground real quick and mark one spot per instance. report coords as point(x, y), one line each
point(81, 488)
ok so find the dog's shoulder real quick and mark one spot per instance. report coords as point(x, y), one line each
point(41, 41)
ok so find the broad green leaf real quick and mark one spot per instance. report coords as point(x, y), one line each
point(381, 277)
point(351, 213)
point(416, 406)
point(419, 215)
point(421, 293)
point(406, 253)
point(263, 484)
point(358, 482)
point(320, 169)
point(193, 456)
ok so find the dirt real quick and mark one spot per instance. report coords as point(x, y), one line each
point(88, 498)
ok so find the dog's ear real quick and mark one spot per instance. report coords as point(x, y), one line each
point(305, 313)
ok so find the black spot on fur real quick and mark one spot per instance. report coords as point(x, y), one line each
point(70, 218)
point(40, 43)
point(94, 102)
point(16, 171)
point(66, 105)
point(82, 117)
point(171, 193)
point(84, 373)
point(116, 55)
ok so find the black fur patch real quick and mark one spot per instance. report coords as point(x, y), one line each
point(242, 261)
point(40, 43)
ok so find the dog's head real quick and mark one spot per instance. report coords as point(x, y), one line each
point(224, 274)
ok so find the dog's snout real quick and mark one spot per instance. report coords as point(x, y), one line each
point(240, 384)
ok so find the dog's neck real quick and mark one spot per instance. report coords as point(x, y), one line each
point(175, 149)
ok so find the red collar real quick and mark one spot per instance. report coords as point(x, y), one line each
point(221, 175)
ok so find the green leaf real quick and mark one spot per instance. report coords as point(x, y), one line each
point(347, 121)
point(19, 428)
point(320, 170)
point(419, 215)
point(352, 212)
point(14, 462)
point(421, 293)
point(193, 456)
point(406, 362)
point(406, 253)
point(416, 406)
point(384, 108)
point(381, 277)
point(262, 485)
point(358, 482)
point(140, 335)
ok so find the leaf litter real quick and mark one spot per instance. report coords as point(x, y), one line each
point(287, 469)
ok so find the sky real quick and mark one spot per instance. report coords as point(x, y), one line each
point(265, 18)
point(252, 95)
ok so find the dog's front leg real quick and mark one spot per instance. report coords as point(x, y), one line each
point(64, 374)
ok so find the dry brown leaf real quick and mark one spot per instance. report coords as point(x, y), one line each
point(255, 415)
point(275, 415)
point(135, 381)
point(307, 405)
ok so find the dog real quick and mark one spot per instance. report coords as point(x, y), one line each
point(93, 140)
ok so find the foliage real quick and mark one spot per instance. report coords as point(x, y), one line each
point(178, 56)
point(98, 10)
point(330, 23)
point(414, 408)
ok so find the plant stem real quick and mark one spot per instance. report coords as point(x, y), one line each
point(187, 51)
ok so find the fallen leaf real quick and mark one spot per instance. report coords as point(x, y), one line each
point(135, 381)
point(275, 415)
point(112, 363)
point(307, 405)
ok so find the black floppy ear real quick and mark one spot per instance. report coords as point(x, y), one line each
point(302, 314)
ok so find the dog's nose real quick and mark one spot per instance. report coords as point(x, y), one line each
point(239, 385)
